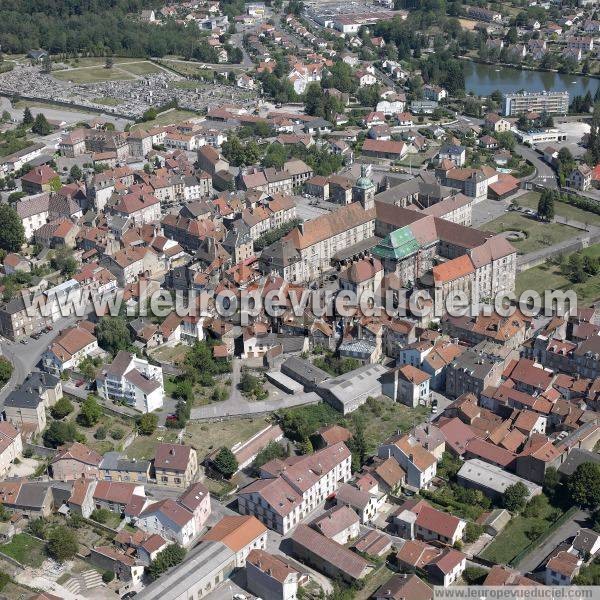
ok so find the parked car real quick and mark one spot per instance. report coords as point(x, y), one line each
point(24, 341)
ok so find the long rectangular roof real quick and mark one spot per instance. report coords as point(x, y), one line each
point(211, 558)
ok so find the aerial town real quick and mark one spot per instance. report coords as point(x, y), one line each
point(299, 300)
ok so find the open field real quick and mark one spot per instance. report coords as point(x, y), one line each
point(141, 68)
point(92, 75)
point(144, 445)
point(166, 118)
point(98, 61)
point(188, 69)
point(531, 199)
point(539, 234)
point(26, 549)
point(549, 277)
point(206, 437)
point(92, 70)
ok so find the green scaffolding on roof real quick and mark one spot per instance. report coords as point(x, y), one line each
point(398, 244)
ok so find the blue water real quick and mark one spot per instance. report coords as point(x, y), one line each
point(483, 79)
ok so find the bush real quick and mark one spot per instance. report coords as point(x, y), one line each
point(147, 424)
point(59, 433)
point(37, 527)
point(100, 433)
point(472, 532)
point(4, 579)
point(100, 515)
point(474, 575)
point(169, 557)
point(27, 453)
point(117, 433)
point(61, 409)
point(108, 576)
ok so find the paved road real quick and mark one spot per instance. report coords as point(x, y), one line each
point(544, 174)
point(70, 116)
point(24, 358)
point(531, 561)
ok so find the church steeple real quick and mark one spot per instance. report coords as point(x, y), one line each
point(364, 189)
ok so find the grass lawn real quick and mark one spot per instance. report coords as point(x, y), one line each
point(188, 69)
point(92, 75)
point(14, 146)
point(373, 583)
point(206, 437)
point(531, 199)
point(141, 68)
point(106, 101)
point(514, 539)
point(26, 549)
point(144, 445)
point(549, 277)
point(167, 118)
point(97, 61)
point(170, 354)
point(539, 234)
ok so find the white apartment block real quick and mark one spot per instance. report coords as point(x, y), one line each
point(133, 380)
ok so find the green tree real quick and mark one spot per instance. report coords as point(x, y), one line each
point(515, 496)
point(169, 557)
point(59, 433)
point(91, 412)
point(41, 125)
point(551, 483)
point(6, 370)
point(473, 532)
point(27, 117)
point(62, 408)
point(75, 173)
point(100, 515)
point(37, 527)
point(62, 543)
point(575, 268)
point(64, 261)
point(271, 451)
point(590, 264)
point(584, 485)
point(147, 424)
point(109, 63)
point(113, 334)
point(12, 232)
point(226, 463)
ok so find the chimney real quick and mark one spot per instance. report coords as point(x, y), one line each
point(301, 228)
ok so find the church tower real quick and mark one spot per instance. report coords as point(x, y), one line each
point(364, 189)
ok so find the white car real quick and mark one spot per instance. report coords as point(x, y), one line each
point(239, 597)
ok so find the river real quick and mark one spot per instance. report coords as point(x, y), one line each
point(483, 79)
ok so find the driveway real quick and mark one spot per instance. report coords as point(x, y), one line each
point(568, 529)
point(544, 174)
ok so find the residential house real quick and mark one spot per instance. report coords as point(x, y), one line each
point(175, 465)
point(133, 380)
